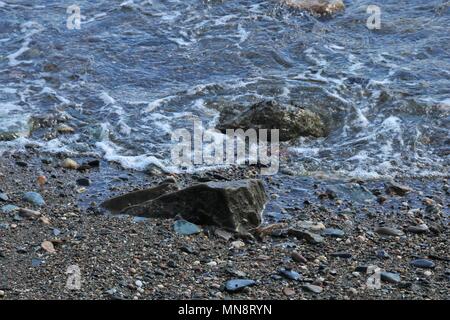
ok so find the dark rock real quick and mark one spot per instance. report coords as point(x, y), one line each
point(34, 198)
point(423, 263)
point(310, 237)
point(297, 257)
point(382, 254)
point(232, 205)
point(292, 121)
point(118, 204)
point(84, 182)
point(344, 255)
point(238, 284)
point(333, 232)
point(186, 228)
point(188, 249)
point(22, 164)
point(290, 274)
point(394, 188)
point(387, 231)
point(390, 277)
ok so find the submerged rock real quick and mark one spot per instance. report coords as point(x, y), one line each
point(292, 121)
point(232, 205)
point(322, 7)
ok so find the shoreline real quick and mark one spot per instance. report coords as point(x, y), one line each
point(125, 258)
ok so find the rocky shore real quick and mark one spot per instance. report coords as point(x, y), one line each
point(319, 239)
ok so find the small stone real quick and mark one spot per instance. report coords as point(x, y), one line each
point(70, 164)
point(34, 198)
point(4, 197)
point(186, 228)
point(223, 234)
point(297, 257)
point(65, 129)
point(423, 263)
point(288, 292)
point(212, 264)
point(2, 293)
point(428, 273)
point(41, 180)
point(290, 274)
point(238, 284)
point(139, 283)
point(44, 220)
point(312, 288)
point(35, 262)
point(310, 237)
point(387, 231)
point(84, 182)
point(9, 208)
point(422, 228)
point(238, 244)
point(382, 254)
point(29, 214)
point(48, 246)
point(390, 277)
point(333, 232)
point(344, 255)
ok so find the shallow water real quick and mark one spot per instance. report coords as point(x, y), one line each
point(136, 71)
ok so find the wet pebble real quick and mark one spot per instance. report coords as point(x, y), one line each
point(4, 197)
point(312, 288)
point(423, 263)
point(34, 198)
point(387, 231)
point(84, 182)
point(297, 257)
point(9, 208)
point(383, 254)
point(333, 232)
point(238, 284)
point(390, 277)
point(290, 274)
point(422, 228)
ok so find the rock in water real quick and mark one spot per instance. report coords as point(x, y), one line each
point(238, 284)
point(292, 121)
point(34, 198)
point(186, 228)
point(322, 7)
point(232, 205)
